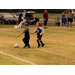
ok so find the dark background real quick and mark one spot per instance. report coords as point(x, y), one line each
point(36, 10)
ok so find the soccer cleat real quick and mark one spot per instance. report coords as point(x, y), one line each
point(67, 26)
point(24, 46)
point(43, 45)
point(28, 47)
point(45, 27)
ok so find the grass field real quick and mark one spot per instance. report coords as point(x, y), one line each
point(59, 46)
point(51, 15)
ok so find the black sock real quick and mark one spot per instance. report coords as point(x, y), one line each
point(38, 42)
point(42, 43)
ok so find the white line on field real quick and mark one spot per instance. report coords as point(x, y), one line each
point(18, 58)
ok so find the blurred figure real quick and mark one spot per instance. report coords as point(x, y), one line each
point(45, 18)
point(20, 17)
point(70, 18)
point(73, 12)
point(57, 21)
point(29, 21)
point(63, 18)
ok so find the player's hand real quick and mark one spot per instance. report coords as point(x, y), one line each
point(19, 35)
point(42, 33)
point(31, 33)
point(44, 19)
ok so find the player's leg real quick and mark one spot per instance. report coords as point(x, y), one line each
point(41, 40)
point(28, 41)
point(38, 41)
point(68, 22)
point(24, 40)
point(71, 20)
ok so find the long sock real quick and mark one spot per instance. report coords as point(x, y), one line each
point(38, 43)
point(41, 42)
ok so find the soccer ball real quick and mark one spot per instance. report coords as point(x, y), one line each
point(16, 45)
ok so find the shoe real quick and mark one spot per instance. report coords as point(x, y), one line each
point(67, 26)
point(24, 46)
point(43, 45)
point(45, 27)
point(28, 47)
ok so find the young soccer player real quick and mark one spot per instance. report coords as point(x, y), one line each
point(26, 34)
point(39, 32)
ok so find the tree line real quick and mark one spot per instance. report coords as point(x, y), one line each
point(35, 10)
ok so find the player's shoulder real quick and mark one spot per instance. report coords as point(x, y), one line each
point(26, 28)
point(40, 27)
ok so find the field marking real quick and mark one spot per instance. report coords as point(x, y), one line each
point(18, 58)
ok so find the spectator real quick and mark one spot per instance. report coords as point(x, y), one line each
point(63, 18)
point(57, 21)
point(31, 17)
point(45, 18)
point(29, 21)
point(20, 17)
point(74, 17)
point(73, 12)
point(70, 18)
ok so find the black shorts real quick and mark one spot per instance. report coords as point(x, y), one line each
point(39, 37)
point(70, 19)
point(26, 39)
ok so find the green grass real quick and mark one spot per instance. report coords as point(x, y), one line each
point(59, 46)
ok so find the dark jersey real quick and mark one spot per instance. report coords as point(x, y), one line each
point(26, 31)
point(45, 15)
point(20, 16)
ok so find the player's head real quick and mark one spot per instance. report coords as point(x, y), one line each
point(25, 25)
point(38, 24)
point(45, 11)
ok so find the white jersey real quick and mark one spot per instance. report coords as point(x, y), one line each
point(39, 30)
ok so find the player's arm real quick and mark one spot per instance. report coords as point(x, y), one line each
point(21, 33)
point(43, 32)
point(34, 32)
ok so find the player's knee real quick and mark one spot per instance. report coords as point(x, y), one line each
point(37, 39)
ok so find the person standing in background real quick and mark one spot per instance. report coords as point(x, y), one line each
point(45, 18)
point(70, 18)
point(73, 12)
point(20, 17)
point(63, 17)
